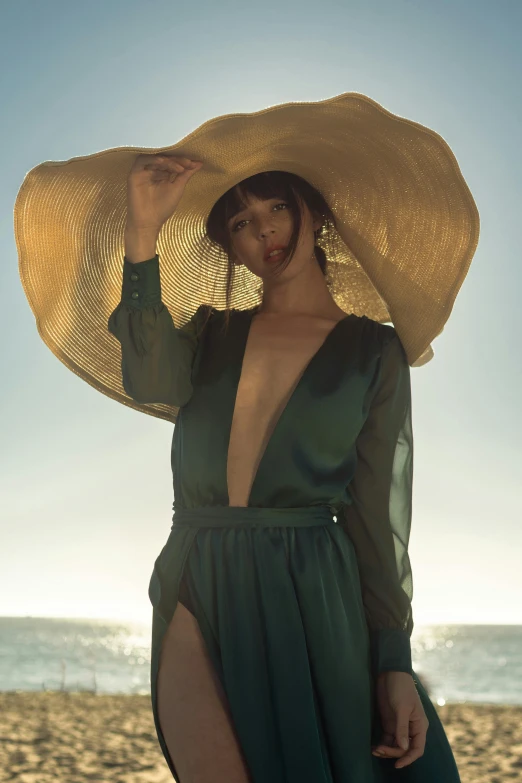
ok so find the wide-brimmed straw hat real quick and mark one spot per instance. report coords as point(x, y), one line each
point(407, 227)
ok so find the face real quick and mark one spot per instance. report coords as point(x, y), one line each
point(264, 224)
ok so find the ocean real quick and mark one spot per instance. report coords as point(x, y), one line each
point(456, 663)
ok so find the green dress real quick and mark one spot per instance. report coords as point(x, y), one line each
point(303, 596)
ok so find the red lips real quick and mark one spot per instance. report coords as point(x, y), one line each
point(274, 247)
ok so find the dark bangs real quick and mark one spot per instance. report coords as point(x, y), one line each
point(292, 189)
point(263, 186)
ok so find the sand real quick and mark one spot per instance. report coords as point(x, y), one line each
point(62, 737)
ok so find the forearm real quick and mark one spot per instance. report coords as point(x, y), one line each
point(140, 244)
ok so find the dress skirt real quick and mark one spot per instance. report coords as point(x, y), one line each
point(277, 597)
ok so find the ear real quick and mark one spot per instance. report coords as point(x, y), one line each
point(317, 221)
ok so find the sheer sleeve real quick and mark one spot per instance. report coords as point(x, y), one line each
point(156, 356)
point(378, 520)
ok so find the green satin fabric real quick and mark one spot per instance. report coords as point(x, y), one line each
point(277, 597)
point(299, 616)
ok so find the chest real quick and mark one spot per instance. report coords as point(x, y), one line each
point(274, 359)
point(265, 397)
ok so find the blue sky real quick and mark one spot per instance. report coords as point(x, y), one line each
point(85, 482)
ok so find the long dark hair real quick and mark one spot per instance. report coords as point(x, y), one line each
point(269, 185)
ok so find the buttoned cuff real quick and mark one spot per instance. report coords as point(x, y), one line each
point(141, 285)
point(391, 651)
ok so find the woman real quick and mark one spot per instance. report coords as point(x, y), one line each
point(282, 596)
point(238, 665)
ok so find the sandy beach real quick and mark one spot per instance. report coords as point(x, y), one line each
point(62, 737)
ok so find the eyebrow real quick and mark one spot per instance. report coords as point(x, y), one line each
point(243, 209)
point(239, 211)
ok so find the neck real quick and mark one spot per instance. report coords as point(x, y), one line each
point(304, 294)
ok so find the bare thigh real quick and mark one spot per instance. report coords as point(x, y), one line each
point(193, 709)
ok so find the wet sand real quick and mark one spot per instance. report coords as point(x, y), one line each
point(62, 737)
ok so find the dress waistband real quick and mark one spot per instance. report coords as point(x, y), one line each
point(252, 516)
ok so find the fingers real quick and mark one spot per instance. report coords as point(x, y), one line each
point(405, 757)
point(388, 746)
point(388, 751)
point(175, 168)
point(416, 750)
point(179, 161)
point(176, 164)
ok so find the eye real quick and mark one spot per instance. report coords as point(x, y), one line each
point(280, 204)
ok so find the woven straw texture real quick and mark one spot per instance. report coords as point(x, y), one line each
point(408, 227)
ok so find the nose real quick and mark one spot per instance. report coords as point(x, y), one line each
point(265, 230)
point(264, 223)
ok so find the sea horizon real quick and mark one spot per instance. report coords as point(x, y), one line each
point(457, 662)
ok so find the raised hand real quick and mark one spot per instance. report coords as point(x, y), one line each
point(155, 185)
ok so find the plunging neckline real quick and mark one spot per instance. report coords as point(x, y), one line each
point(245, 329)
